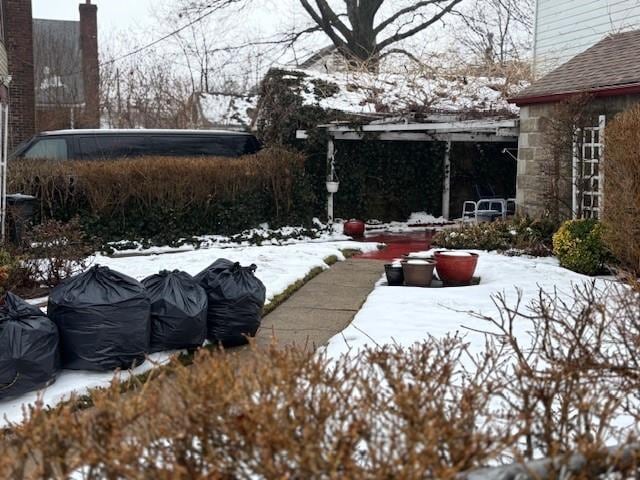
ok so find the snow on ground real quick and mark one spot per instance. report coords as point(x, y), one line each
point(406, 315)
point(278, 267)
point(262, 235)
point(415, 221)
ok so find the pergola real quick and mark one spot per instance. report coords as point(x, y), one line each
point(437, 128)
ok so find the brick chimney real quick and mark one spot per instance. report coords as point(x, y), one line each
point(19, 44)
point(90, 64)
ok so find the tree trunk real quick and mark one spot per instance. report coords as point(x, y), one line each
point(363, 44)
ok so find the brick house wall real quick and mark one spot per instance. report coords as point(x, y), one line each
point(533, 154)
point(19, 45)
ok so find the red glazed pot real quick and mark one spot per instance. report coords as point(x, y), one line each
point(454, 268)
point(354, 228)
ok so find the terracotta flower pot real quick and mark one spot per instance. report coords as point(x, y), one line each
point(456, 268)
point(354, 228)
point(395, 276)
point(418, 273)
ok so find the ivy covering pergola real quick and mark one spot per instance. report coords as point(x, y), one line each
point(439, 130)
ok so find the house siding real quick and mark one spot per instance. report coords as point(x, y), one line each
point(565, 28)
point(533, 155)
point(4, 66)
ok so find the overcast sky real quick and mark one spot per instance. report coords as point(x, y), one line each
point(112, 14)
point(125, 25)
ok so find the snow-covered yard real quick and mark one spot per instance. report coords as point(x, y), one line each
point(278, 267)
point(405, 315)
point(401, 315)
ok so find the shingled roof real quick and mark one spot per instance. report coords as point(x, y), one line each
point(610, 67)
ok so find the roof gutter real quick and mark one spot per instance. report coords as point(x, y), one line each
point(558, 97)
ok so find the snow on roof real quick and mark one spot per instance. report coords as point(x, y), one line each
point(225, 110)
point(384, 93)
point(374, 94)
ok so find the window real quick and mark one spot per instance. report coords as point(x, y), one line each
point(587, 172)
point(112, 146)
point(48, 148)
point(199, 145)
point(122, 146)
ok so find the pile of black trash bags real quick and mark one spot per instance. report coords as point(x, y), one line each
point(103, 320)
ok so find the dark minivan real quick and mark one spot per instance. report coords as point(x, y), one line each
point(109, 144)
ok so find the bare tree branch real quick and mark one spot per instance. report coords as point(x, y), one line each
point(423, 26)
point(404, 11)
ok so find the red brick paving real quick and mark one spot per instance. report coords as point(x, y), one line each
point(398, 244)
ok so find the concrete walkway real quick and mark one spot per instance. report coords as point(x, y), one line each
point(323, 307)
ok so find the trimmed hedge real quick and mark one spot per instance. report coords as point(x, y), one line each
point(621, 209)
point(165, 198)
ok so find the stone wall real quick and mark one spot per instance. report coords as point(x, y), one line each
point(533, 155)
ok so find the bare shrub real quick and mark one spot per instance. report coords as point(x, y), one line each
point(562, 141)
point(621, 214)
point(566, 384)
point(281, 414)
point(56, 250)
point(517, 236)
point(573, 382)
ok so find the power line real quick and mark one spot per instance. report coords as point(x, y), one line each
point(139, 49)
point(159, 40)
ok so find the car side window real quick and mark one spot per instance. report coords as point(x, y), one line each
point(88, 148)
point(199, 145)
point(100, 147)
point(113, 146)
point(49, 148)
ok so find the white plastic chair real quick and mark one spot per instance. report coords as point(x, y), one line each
point(491, 208)
point(469, 210)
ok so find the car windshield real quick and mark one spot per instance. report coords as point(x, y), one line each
point(20, 148)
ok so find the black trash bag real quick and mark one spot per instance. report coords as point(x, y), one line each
point(29, 353)
point(104, 320)
point(178, 311)
point(236, 297)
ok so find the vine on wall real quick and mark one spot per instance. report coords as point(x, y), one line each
point(378, 179)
